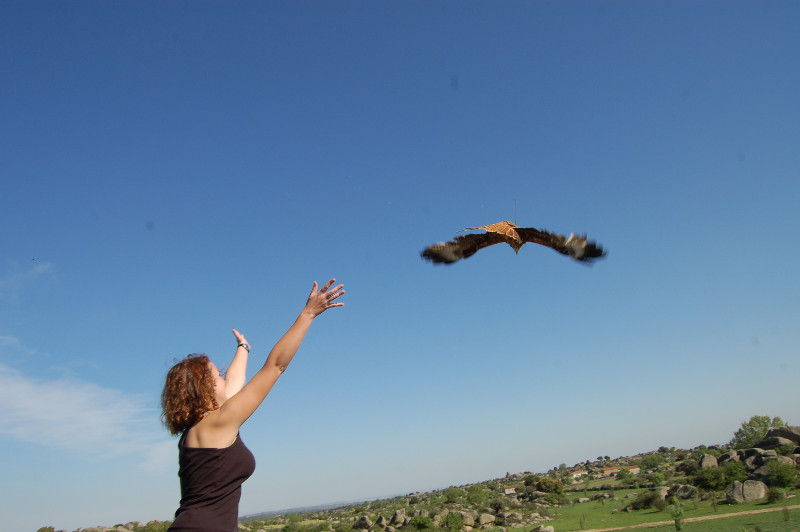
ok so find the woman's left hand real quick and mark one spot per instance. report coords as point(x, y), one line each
point(321, 300)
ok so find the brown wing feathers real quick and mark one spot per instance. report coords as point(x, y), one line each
point(575, 246)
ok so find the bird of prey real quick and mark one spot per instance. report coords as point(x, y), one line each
point(575, 246)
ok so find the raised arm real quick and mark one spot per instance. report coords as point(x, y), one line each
point(236, 375)
point(235, 411)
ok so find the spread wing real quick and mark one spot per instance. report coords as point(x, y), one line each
point(460, 248)
point(575, 246)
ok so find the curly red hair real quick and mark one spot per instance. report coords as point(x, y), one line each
point(188, 393)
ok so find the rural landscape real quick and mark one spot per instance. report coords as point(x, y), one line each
point(748, 484)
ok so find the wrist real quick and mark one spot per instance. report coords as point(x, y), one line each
point(308, 314)
point(245, 346)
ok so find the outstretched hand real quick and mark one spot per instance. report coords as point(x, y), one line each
point(240, 339)
point(321, 300)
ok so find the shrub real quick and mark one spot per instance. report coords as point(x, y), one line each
point(781, 475)
point(649, 499)
point(453, 522)
point(688, 468)
point(785, 449)
point(497, 505)
point(421, 522)
point(775, 495)
point(734, 471)
point(712, 479)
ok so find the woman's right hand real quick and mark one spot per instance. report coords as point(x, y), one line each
point(240, 339)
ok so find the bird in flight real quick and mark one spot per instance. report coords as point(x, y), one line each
point(461, 247)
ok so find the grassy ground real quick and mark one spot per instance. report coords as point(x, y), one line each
point(597, 515)
point(767, 522)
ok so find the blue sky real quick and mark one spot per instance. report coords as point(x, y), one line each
point(171, 171)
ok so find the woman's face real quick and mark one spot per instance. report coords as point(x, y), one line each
point(219, 383)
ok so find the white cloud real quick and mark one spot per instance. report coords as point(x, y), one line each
point(77, 415)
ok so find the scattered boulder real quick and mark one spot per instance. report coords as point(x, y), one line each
point(773, 442)
point(790, 433)
point(707, 460)
point(363, 523)
point(730, 456)
point(398, 518)
point(381, 522)
point(469, 518)
point(752, 462)
point(662, 492)
point(486, 519)
point(543, 528)
point(762, 473)
point(753, 451)
point(749, 490)
point(683, 491)
point(782, 459)
point(584, 499)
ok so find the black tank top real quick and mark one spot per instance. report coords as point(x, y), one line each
point(211, 485)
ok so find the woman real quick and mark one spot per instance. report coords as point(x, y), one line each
point(207, 409)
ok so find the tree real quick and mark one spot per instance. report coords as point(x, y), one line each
point(652, 461)
point(754, 430)
point(453, 494)
point(624, 475)
point(677, 514)
point(476, 495)
point(549, 485)
point(531, 480)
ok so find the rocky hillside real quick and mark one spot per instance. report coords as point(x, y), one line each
point(530, 501)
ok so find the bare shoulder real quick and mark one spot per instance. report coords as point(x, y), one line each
point(210, 433)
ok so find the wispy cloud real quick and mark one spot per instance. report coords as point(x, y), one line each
point(12, 283)
point(76, 415)
point(12, 344)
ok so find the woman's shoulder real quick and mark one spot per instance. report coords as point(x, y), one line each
point(206, 434)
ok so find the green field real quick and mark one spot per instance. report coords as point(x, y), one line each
point(597, 515)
